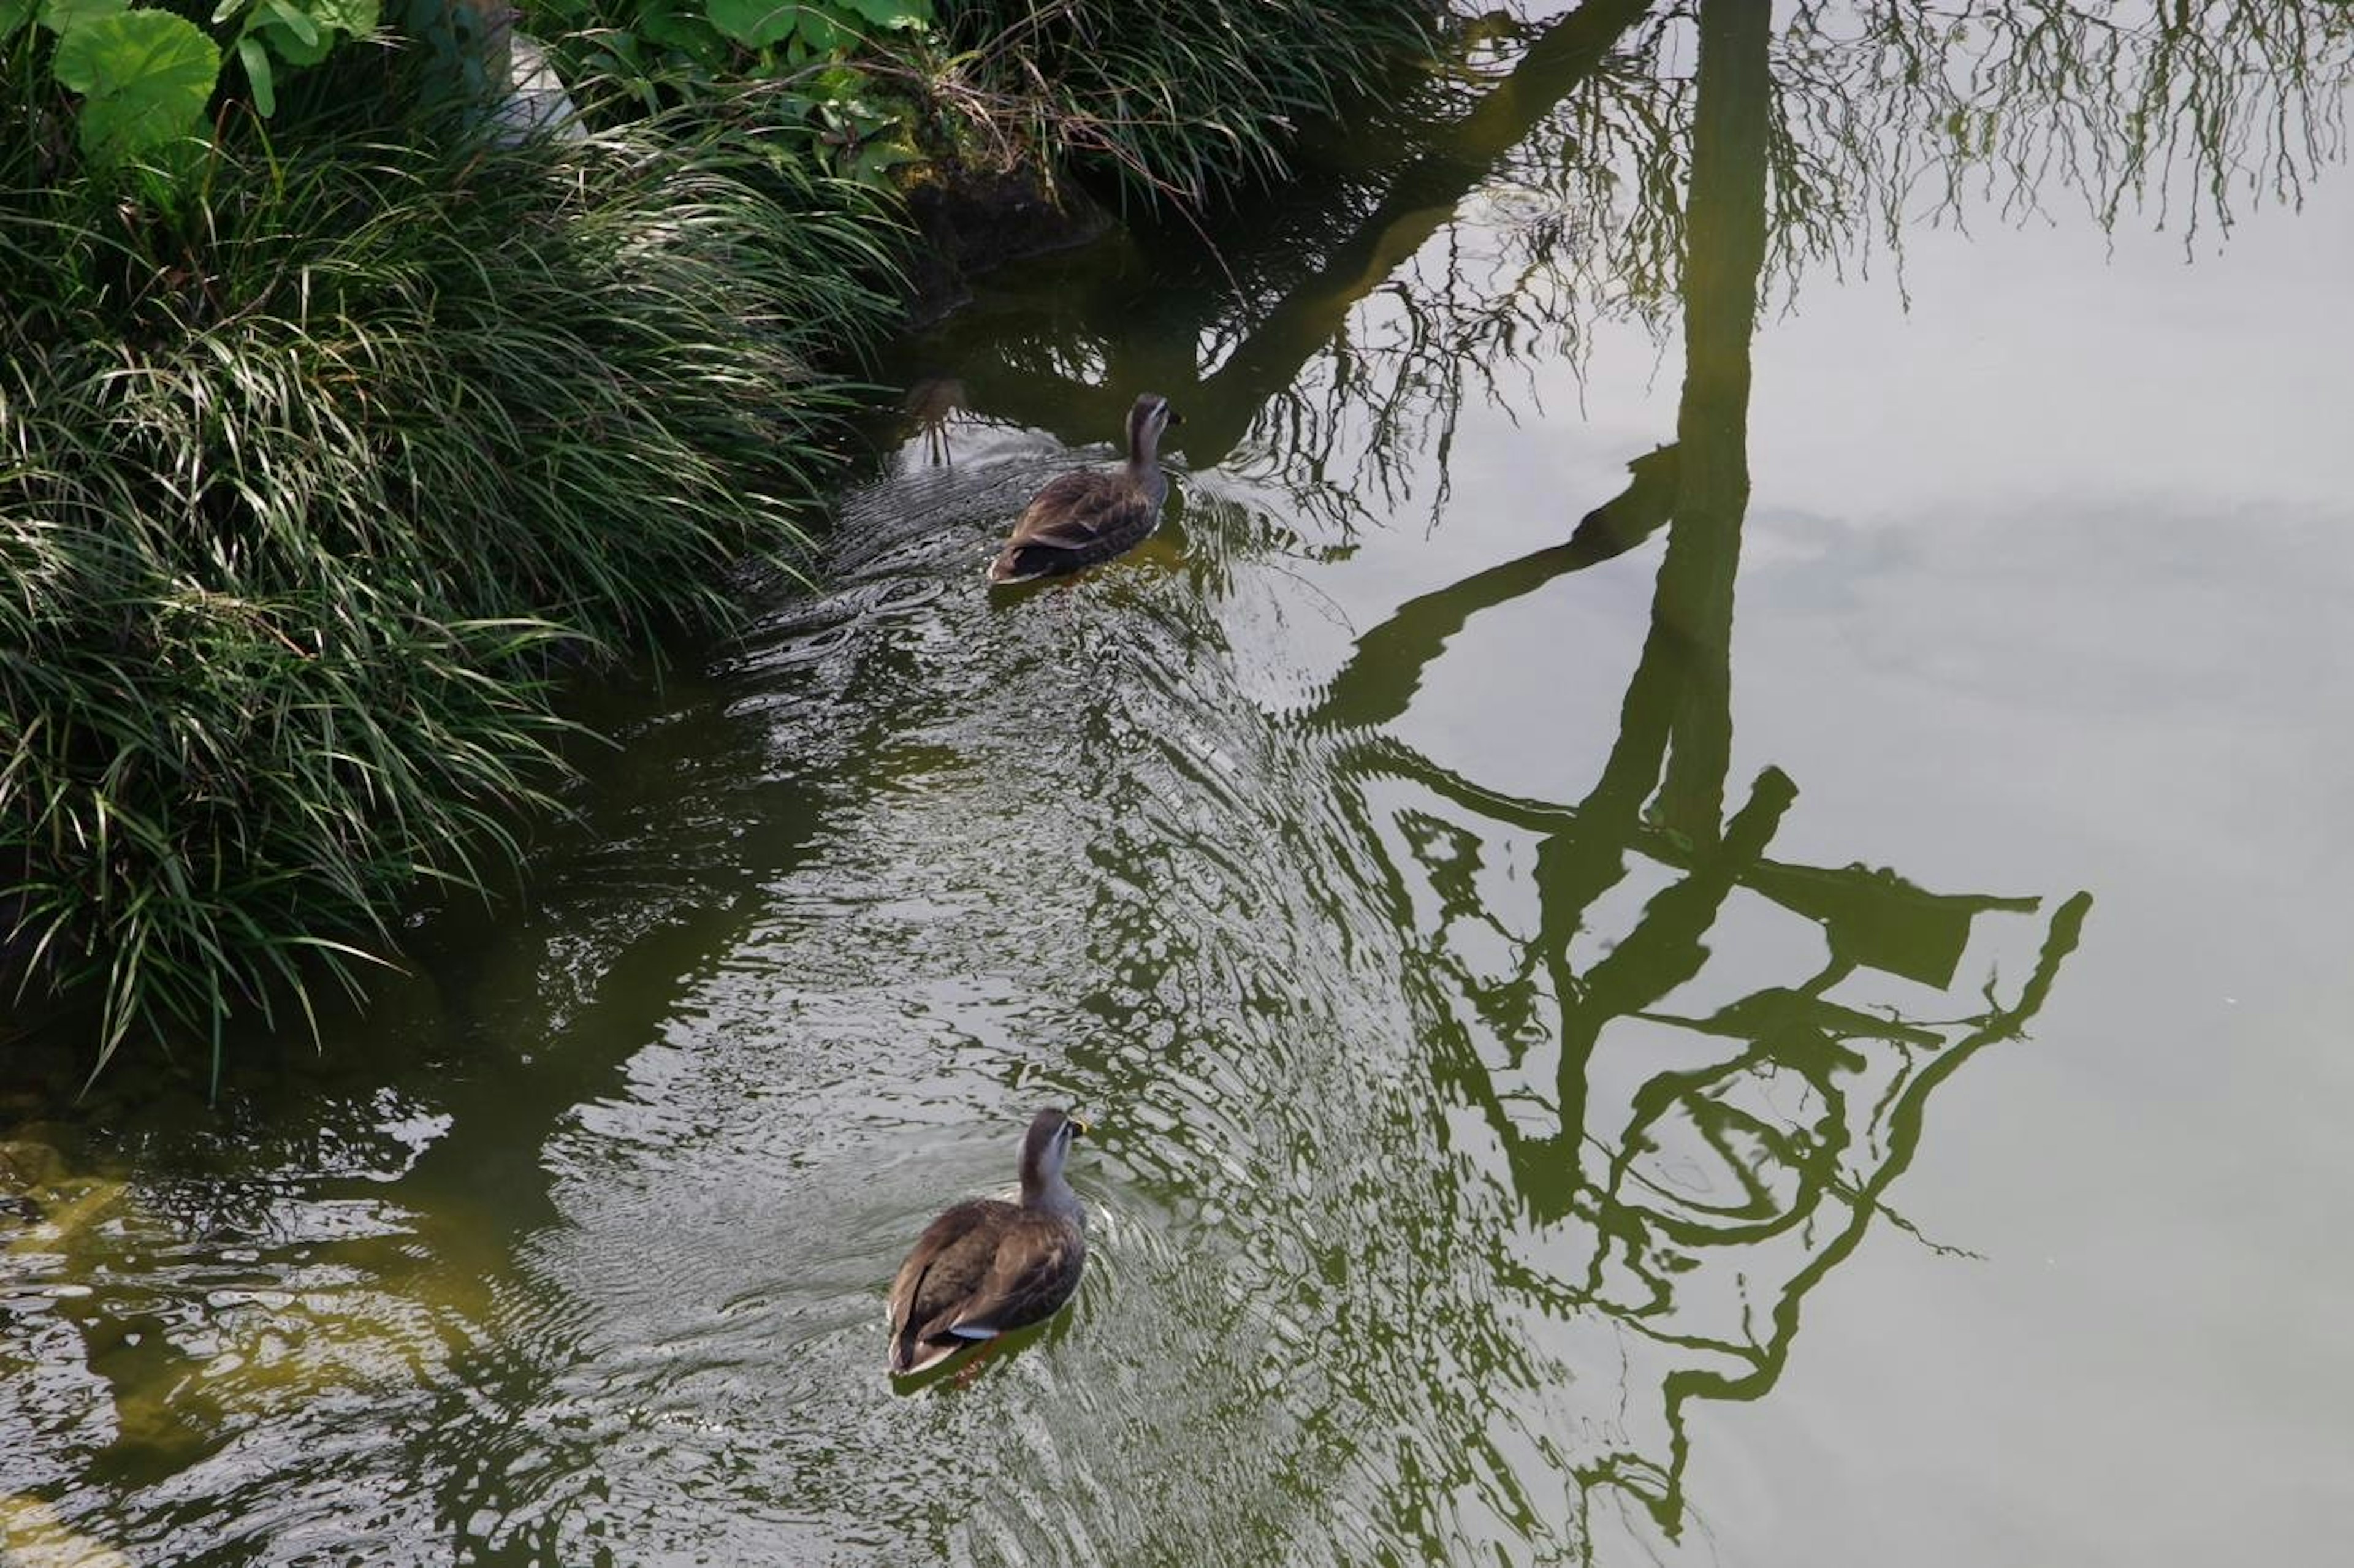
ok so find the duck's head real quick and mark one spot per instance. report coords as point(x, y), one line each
point(1146, 418)
point(1046, 1145)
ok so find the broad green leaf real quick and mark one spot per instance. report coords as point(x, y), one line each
point(293, 21)
point(693, 35)
point(838, 84)
point(357, 17)
point(890, 13)
point(287, 46)
point(256, 74)
point(755, 24)
point(822, 31)
point(58, 16)
point(874, 157)
point(144, 76)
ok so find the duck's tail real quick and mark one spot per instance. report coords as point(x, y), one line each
point(1011, 568)
point(910, 1355)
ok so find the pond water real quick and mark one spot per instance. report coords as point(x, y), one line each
point(1703, 912)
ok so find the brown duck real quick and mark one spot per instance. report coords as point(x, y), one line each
point(986, 1267)
point(1091, 515)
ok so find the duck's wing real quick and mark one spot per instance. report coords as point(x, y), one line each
point(1036, 1267)
point(947, 1268)
point(1077, 510)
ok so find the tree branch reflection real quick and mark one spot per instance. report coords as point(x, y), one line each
point(1347, 379)
point(1709, 1191)
point(1681, 1128)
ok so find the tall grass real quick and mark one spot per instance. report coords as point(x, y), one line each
point(319, 464)
point(1178, 99)
point(312, 468)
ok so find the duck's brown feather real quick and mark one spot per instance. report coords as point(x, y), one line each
point(1078, 520)
point(985, 1268)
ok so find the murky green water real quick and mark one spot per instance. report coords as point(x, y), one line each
point(1782, 1004)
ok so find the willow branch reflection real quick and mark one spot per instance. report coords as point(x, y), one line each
point(1680, 1134)
point(1287, 376)
point(2189, 109)
point(1704, 1171)
point(1346, 377)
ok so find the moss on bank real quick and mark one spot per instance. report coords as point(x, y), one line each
point(320, 454)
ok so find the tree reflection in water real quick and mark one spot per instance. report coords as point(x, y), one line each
point(1673, 1183)
point(1661, 1129)
point(1571, 143)
point(1691, 1202)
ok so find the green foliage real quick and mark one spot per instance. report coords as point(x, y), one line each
point(465, 46)
point(292, 33)
point(310, 485)
point(318, 469)
point(1174, 103)
point(835, 74)
point(61, 15)
point(145, 78)
point(1178, 104)
point(828, 29)
point(757, 24)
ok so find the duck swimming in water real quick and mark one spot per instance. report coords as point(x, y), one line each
point(987, 1266)
point(1090, 514)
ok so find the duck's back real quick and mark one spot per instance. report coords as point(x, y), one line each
point(982, 1267)
point(1080, 519)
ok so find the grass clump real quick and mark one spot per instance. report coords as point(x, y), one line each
point(327, 446)
point(315, 469)
point(1174, 102)
point(1179, 103)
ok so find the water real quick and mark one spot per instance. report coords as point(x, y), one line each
point(1799, 1020)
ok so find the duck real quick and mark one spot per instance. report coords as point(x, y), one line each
point(1090, 515)
point(986, 1266)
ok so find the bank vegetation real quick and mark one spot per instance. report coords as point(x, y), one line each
point(372, 372)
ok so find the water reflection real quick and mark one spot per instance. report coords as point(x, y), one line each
point(1683, 1156)
point(1457, 1138)
point(287, 1325)
point(1686, 1178)
point(1498, 217)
